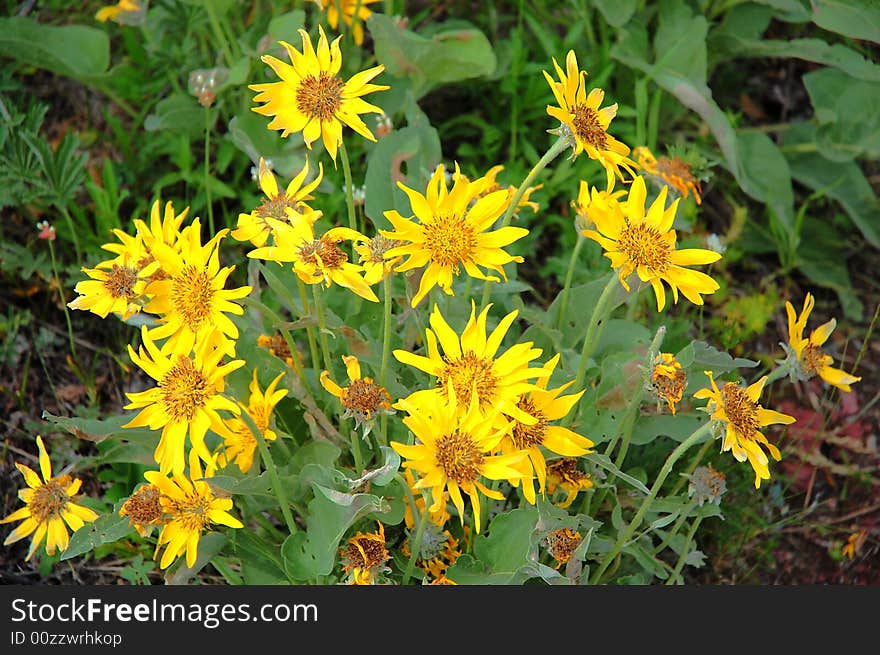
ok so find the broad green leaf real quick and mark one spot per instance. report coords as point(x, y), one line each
point(98, 430)
point(763, 174)
point(603, 461)
point(857, 19)
point(616, 12)
point(103, 530)
point(793, 11)
point(678, 427)
point(680, 42)
point(210, 545)
point(700, 355)
point(285, 27)
point(178, 112)
point(78, 51)
point(469, 571)
point(507, 546)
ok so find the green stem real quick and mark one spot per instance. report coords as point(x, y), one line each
point(218, 33)
point(310, 330)
point(684, 551)
point(349, 191)
point(416, 544)
point(386, 348)
point(208, 169)
point(277, 487)
point(675, 528)
point(63, 301)
point(597, 321)
point(551, 154)
point(695, 462)
point(623, 539)
point(569, 274)
point(322, 335)
point(69, 220)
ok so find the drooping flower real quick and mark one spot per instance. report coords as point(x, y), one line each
point(191, 509)
point(288, 205)
point(372, 257)
point(364, 556)
point(706, 485)
point(469, 363)
point(144, 509)
point(564, 474)
point(186, 399)
point(453, 451)
point(736, 408)
point(277, 347)
point(317, 260)
point(545, 406)
point(806, 355)
point(673, 171)
point(348, 8)
point(239, 442)
point(450, 232)
point(438, 551)
point(668, 380)
point(584, 122)
point(311, 97)
point(49, 508)
point(362, 399)
point(644, 242)
point(561, 545)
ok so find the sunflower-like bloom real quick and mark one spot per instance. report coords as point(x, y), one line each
point(809, 360)
point(738, 410)
point(185, 401)
point(451, 232)
point(190, 509)
point(317, 259)
point(453, 451)
point(364, 556)
point(48, 507)
point(144, 509)
point(372, 257)
point(544, 405)
point(164, 227)
point(191, 301)
point(469, 363)
point(668, 380)
point(590, 201)
point(564, 474)
point(362, 399)
point(584, 122)
point(311, 97)
point(288, 205)
point(644, 242)
point(673, 171)
point(115, 286)
point(239, 442)
point(348, 8)
point(488, 184)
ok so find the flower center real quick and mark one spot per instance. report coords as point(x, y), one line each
point(276, 207)
point(811, 358)
point(467, 372)
point(741, 411)
point(192, 296)
point(562, 543)
point(364, 397)
point(320, 97)
point(120, 282)
point(323, 253)
point(675, 168)
point(459, 457)
point(191, 513)
point(450, 240)
point(184, 390)
point(144, 507)
point(566, 470)
point(145, 261)
point(49, 499)
point(645, 246)
point(365, 552)
point(669, 385)
point(379, 245)
point(528, 436)
point(588, 128)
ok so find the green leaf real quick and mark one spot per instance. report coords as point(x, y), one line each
point(285, 27)
point(178, 112)
point(763, 174)
point(99, 429)
point(616, 12)
point(699, 355)
point(507, 546)
point(76, 51)
point(793, 11)
point(857, 19)
point(678, 427)
point(210, 545)
point(603, 461)
point(105, 529)
point(680, 42)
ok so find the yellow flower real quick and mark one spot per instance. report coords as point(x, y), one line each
point(451, 232)
point(144, 509)
point(239, 443)
point(544, 406)
point(277, 346)
point(453, 451)
point(810, 360)
point(191, 301)
point(311, 97)
point(644, 242)
point(48, 507)
point(364, 556)
point(191, 509)
point(561, 545)
point(564, 474)
point(854, 544)
point(362, 398)
point(117, 11)
point(348, 10)
point(583, 121)
point(469, 363)
point(185, 401)
point(672, 171)
point(488, 184)
point(289, 205)
point(116, 286)
point(439, 517)
point(668, 381)
point(317, 260)
point(738, 409)
point(591, 201)
point(372, 257)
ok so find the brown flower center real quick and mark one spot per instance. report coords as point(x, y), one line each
point(562, 543)
point(588, 128)
point(120, 282)
point(191, 513)
point(365, 397)
point(529, 436)
point(645, 246)
point(669, 386)
point(379, 245)
point(459, 457)
point(323, 253)
point(566, 470)
point(450, 240)
point(811, 358)
point(184, 390)
point(49, 499)
point(276, 207)
point(467, 372)
point(741, 412)
point(320, 97)
point(143, 507)
point(192, 296)
point(365, 552)
point(145, 261)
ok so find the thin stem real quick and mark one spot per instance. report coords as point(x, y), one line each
point(310, 331)
point(69, 220)
point(349, 191)
point(277, 487)
point(684, 551)
point(63, 301)
point(208, 169)
point(386, 348)
point(597, 321)
point(569, 274)
point(623, 539)
point(678, 523)
point(322, 335)
point(416, 544)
